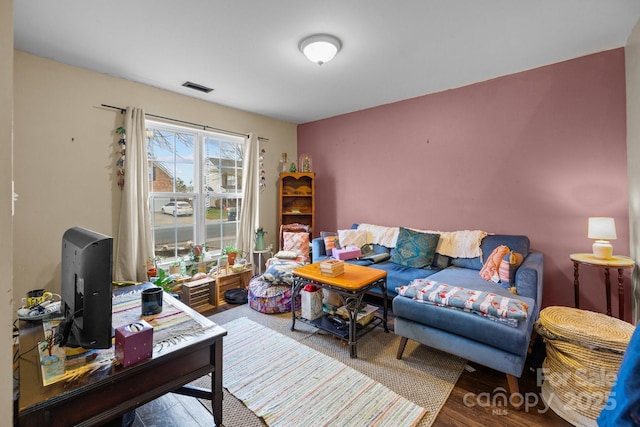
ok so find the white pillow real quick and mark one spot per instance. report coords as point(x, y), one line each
point(356, 238)
point(287, 254)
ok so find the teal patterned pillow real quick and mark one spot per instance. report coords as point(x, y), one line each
point(415, 249)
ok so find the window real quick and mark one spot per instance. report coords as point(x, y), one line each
point(195, 180)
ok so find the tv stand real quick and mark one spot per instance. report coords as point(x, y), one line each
point(63, 336)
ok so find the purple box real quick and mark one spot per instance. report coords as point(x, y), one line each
point(134, 342)
point(348, 252)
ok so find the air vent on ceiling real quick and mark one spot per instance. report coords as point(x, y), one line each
point(196, 86)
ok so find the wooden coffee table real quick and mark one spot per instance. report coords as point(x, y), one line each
point(350, 286)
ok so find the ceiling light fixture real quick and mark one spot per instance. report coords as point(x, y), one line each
point(320, 48)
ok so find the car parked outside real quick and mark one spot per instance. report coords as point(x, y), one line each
point(177, 209)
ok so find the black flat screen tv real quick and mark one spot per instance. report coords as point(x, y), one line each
point(87, 258)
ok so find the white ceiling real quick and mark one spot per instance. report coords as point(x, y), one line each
point(247, 50)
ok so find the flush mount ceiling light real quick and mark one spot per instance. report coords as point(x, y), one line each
point(320, 48)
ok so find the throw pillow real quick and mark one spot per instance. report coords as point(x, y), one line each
point(441, 261)
point(298, 242)
point(286, 254)
point(415, 249)
point(508, 266)
point(280, 272)
point(330, 241)
point(357, 238)
point(490, 268)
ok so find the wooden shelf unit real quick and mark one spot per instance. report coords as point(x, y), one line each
point(297, 199)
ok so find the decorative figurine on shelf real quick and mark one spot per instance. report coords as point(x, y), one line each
point(292, 168)
point(304, 163)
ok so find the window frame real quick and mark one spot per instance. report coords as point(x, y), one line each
point(198, 191)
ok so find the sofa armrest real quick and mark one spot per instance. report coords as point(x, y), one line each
point(318, 251)
point(529, 277)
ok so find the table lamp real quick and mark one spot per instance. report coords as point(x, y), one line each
point(602, 229)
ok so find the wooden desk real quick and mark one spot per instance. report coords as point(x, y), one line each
point(103, 396)
point(619, 261)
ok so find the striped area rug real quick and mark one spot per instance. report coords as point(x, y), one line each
point(287, 383)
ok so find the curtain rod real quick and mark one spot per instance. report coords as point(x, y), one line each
point(205, 127)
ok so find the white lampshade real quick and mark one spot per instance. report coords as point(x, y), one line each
point(602, 229)
point(320, 48)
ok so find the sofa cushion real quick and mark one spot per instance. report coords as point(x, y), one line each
point(440, 261)
point(414, 249)
point(492, 264)
point(330, 241)
point(516, 243)
point(357, 238)
point(508, 267)
point(330, 244)
point(397, 275)
point(469, 325)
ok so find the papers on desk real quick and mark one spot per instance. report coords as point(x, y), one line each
point(65, 363)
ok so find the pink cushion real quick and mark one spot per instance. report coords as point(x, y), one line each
point(298, 242)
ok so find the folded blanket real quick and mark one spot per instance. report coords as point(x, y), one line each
point(456, 244)
point(460, 244)
point(381, 235)
point(487, 303)
point(503, 320)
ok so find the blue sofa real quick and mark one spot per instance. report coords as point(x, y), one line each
point(467, 335)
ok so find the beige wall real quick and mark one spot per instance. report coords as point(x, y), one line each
point(632, 62)
point(65, 154)
point(6, 145)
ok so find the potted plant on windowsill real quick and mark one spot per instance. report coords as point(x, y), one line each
point(231, 252)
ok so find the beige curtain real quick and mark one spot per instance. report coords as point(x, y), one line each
point(134, 244)
point(250, 190)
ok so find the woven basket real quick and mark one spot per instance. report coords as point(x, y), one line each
point(585, 357)
point(587, 327)
point(576, 396)
point(584, 352)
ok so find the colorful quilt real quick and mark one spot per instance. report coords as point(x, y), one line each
point(485, 303)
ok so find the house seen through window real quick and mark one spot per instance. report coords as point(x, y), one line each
point(195, 192)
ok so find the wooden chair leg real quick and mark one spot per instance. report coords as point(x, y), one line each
point(516, 398)
point(403, 344)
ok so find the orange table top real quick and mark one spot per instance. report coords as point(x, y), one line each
point(355, 277)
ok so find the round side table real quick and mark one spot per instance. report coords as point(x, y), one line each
point(620, 262)
point(260, 258)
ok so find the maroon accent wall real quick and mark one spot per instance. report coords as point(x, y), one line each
point(532, 153)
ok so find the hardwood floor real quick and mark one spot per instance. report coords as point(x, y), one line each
point(467, 405)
